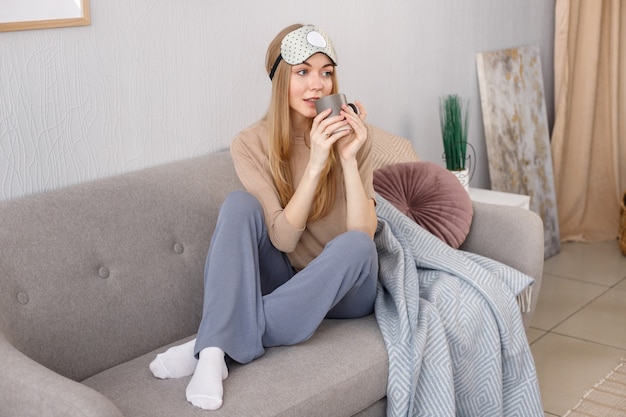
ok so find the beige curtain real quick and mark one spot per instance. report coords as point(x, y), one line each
point(589, 136)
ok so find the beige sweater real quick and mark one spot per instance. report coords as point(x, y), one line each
point(249, 151)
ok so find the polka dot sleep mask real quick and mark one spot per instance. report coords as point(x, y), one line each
point(297, 46)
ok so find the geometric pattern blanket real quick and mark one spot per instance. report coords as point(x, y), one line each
point(452, 327)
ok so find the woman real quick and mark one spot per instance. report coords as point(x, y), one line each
point(297, 246)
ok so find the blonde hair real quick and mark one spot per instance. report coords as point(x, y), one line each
point(279, 130)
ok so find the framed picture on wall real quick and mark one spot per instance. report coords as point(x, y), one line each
point(43, 14)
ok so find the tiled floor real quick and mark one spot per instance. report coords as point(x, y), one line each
point(578, 332)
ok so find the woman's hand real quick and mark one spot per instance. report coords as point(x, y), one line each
point(347, 130)
point(351, 141)
point(325, 132)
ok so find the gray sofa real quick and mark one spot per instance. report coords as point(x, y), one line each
point(95, 279)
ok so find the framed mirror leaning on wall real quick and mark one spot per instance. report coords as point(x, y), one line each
point(43, 14)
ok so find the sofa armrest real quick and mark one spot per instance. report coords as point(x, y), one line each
point(511, 235)
point(29, 389)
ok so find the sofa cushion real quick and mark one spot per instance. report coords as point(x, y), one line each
point(430, 195)
point(388, 149)
point(340, 371)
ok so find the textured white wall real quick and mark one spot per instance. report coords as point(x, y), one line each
point(156, 81)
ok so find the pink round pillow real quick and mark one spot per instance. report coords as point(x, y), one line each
point(430, 195)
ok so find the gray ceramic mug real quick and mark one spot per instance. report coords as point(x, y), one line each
point(334, 102)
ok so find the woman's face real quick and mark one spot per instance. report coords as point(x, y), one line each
point(309, 82)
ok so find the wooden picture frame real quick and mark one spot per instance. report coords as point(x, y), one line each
point(29, 15)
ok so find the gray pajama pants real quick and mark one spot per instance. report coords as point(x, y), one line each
point(252, 297)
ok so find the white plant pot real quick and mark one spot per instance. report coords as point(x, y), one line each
point(464, 178)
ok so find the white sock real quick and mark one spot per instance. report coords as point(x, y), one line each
point(205, 390)
point(176, 362)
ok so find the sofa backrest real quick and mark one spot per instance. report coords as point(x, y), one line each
point(94, 275)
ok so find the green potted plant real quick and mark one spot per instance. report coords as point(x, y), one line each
point(453, 116)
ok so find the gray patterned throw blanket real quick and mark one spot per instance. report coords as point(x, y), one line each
point(452, 327)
